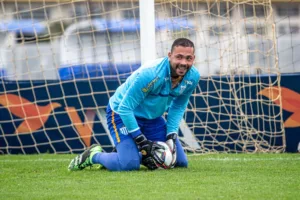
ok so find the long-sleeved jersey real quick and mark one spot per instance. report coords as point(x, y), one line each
point(148, 93)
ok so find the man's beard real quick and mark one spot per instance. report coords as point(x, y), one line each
point(182, 67)
point(174, 70)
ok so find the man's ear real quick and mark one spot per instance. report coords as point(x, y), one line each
point(169, 55)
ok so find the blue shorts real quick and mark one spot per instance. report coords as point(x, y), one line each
point(153, 129)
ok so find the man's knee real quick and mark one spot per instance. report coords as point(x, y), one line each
point(130, 164)
point(182, 163)
point(128, 154)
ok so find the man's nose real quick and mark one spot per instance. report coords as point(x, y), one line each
point(183, 62)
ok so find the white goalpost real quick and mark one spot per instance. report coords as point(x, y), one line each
point(62, 60)
point(147, 30)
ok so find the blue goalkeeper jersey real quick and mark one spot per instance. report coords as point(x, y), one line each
point(148, 93)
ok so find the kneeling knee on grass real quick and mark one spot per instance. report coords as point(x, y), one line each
point(130, 164)
point(183, 163)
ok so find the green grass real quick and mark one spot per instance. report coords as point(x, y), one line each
point(210, 176)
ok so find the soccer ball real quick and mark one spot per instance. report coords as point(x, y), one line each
point(164, 154)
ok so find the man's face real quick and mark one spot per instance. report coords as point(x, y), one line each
point(181, 60)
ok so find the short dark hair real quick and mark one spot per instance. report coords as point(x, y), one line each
point(182, 42)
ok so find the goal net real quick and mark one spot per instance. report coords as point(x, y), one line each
point(61, 60)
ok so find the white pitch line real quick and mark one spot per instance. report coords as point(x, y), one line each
point(227, 159)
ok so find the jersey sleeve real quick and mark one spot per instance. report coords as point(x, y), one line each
point(136, 93)
point(176, 111)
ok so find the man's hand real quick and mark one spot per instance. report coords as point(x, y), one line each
point(149, 163)
point(171, 142)
point(147, 148)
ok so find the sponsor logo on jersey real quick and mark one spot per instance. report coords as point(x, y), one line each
point(188, 82)
point(182, 88)
point(146, 89)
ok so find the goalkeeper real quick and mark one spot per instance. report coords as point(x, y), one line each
point(134, 113)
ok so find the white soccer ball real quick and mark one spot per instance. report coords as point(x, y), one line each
point(164, 154)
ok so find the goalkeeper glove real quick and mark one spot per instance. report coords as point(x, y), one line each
point(171, 142)
point(149, 163)
point(147, 148)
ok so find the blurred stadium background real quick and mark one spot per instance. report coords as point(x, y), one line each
point(37, 38)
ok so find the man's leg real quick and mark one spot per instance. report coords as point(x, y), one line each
point(182, 160)
point(126, 158)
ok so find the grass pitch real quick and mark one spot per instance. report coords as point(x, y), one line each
point(210, 176)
